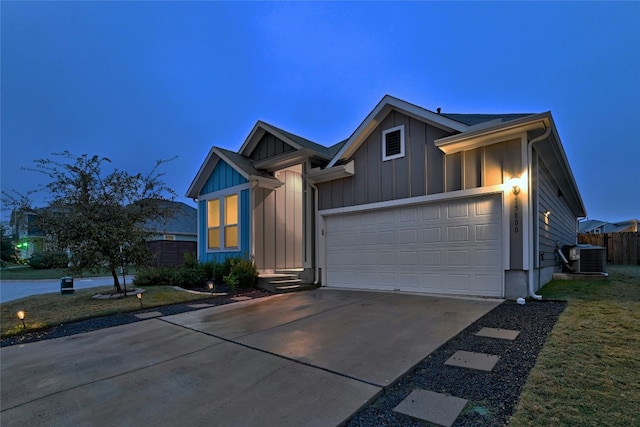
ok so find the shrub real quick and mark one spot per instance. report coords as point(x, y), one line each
point(47, 260)
point(190, 260)
point(155, 276)
point(242, 275)
point(188, 277)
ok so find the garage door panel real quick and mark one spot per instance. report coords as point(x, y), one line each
point(431, 235)
point(458, 233)
point(485, 232)
point(417, 248)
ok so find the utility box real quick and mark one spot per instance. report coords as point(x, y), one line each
point(66, 285)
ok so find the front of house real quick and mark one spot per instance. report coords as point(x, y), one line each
point(413, 200)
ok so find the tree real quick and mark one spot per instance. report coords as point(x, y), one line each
point(8, 247)
point(100, 218)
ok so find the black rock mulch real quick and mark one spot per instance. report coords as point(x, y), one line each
point(67, 329)
point(492, 395)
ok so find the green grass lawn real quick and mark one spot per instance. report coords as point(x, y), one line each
point(588, 373)
point(46, 310)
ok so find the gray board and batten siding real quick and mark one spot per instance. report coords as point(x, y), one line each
point(279, 227)
point(377, 181)
point(424, 169)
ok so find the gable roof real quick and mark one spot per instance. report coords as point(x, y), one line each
point(476, 119)
point(589, 225)
point(384, 107)
point(293, 140)
point(183, 220)
point(238, 162)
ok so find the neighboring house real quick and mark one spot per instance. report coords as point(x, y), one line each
point(177, 235)
point(595, 226)
point(28, 237)
point(413, 200)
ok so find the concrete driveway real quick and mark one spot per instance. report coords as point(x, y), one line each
point(309, 358)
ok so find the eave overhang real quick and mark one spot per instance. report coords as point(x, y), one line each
point(318, 175)
point(384, 107)
point(245, 170)
point(488, 135)
point(550, 149)
point(287, 159)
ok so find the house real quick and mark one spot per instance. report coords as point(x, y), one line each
point(175, 235)
point(596, 226)
point(29, 238)
point(413, 200)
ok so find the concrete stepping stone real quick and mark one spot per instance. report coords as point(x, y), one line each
point(432, 407)
point(148, 315)
point(503, 334)
point(471, 360)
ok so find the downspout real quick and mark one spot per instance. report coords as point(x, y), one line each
point(542, 137)
point(316, 239)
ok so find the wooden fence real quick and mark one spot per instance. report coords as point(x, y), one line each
point(622, 248)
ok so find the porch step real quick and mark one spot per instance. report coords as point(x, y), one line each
point(279, 283)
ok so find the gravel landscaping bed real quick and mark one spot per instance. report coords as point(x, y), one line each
point(123, 319)
point(492, 395)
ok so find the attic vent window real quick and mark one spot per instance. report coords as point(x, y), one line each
point(393, 143)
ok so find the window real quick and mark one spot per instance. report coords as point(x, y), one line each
point(231, 221)
point(222, 222)
point(393, 143)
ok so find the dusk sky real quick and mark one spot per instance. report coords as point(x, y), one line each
point(142, 81)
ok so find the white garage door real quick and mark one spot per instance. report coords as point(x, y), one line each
point(451, 247)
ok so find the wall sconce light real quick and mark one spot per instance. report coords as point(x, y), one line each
point(515, 183)
point(547, 213)
point(139, 296)
point(21, 316)
point(210, 286)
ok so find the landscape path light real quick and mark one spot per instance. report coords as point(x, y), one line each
point(21, 316)
point(210, 285)
point(139, 296)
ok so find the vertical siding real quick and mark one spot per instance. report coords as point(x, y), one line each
point(223, 176)
point(269, 146)
point(280, 223)
point(484, 166)
point(472, 169)
point(376, 181)
point(416, 147)
point(560, 226)
point(435, 161)
point(453, 172)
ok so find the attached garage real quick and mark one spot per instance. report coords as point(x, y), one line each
point(449, 247)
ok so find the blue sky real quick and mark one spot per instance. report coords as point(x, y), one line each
point(142, 81)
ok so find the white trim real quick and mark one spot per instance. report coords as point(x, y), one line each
point(527, 238)
point(318, 175)
point(225, 192)
point(386, 157)
point(223, 225)
point(487, 136)
point(494, 189)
